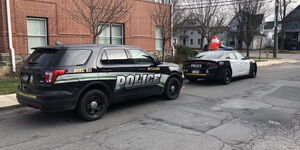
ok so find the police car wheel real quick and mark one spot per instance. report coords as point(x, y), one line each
point(93, 105)
point(253, 72)
point(227, 76)
point(172, 89)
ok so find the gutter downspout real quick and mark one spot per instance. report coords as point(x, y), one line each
point(172, 26)
point(10, 38)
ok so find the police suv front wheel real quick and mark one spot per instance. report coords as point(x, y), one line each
point(93, 105)
point(172, 89)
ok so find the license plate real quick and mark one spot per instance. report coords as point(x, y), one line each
point(196, 71)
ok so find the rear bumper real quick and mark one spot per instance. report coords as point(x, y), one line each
point(48, 101)
point(213, 74)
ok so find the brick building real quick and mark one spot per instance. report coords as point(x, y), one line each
point(45, 22)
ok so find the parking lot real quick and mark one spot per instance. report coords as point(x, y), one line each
point(261, 113)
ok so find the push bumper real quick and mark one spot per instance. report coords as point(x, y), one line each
point(48, 101)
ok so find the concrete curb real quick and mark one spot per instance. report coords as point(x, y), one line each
point(10, 107)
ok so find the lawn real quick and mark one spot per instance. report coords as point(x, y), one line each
point(8, 85)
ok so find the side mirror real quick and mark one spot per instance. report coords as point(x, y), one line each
point(157, 62)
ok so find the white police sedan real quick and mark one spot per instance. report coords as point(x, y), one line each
point(219, 65)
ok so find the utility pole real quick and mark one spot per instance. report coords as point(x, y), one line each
point(276, 29)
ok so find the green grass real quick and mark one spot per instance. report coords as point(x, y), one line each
point(8, 85)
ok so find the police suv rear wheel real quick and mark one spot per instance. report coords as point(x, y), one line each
point(93, 105)
point(172, 89)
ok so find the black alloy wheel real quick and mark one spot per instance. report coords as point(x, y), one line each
point(172, 88)
point(93, 105)
point(227, 76)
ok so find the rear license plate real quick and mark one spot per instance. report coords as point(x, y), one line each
point(196, 71)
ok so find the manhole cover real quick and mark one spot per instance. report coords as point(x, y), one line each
point(287, 92)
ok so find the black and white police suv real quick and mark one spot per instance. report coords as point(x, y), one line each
point(89, 78)
point(219, 65)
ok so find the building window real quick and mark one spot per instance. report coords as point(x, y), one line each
point(161, 1)
point(37, 33)
point(184, 41)
point(158, 38)
point(112, 34)
point(192, 33)
point(192, 41)
point(199, 41)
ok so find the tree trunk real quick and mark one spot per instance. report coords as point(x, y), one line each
point(248, 50)
point(163, 51)
point(94, 40)
point(208, 44)
point(201, 44)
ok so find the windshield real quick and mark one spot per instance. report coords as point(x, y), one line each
point(210, 55)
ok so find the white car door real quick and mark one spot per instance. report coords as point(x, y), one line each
point(244, 64)
point(235, 64)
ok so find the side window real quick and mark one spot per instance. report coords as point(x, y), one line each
point(75, 57)
point(140, 57)
point(114, 57)
point(230, 56)
point(239, 56)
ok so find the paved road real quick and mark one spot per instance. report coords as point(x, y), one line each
point(261, 113)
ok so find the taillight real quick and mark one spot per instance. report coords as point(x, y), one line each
point(51, 75)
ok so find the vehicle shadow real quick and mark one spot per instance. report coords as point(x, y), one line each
point(36, 118)
point(208, 83)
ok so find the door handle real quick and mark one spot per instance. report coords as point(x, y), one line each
point(142, 69)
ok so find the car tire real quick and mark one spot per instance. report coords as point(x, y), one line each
point(253, 72)
point(192, 80)
point(92, 105)
point(226, 76)
point(172, 88)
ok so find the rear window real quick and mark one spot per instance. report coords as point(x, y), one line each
point(53, 58)
point(43, 57)
point(210, 55)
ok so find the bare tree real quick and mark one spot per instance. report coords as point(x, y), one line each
point(95, 14)
point(284, 4)
point(168, 21)
point(249, 16)
point(211, 17)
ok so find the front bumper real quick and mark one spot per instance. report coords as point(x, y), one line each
point(47, 101)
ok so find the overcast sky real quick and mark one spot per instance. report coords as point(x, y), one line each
point(270, 6)
point(292, 6)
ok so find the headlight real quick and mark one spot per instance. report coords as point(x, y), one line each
point(221, 63)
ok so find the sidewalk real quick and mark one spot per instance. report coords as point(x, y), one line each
point(275, 62)
point(10, 101)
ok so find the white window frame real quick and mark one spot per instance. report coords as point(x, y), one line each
point(158, 39)
point(35, 35)
point(110, 36)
